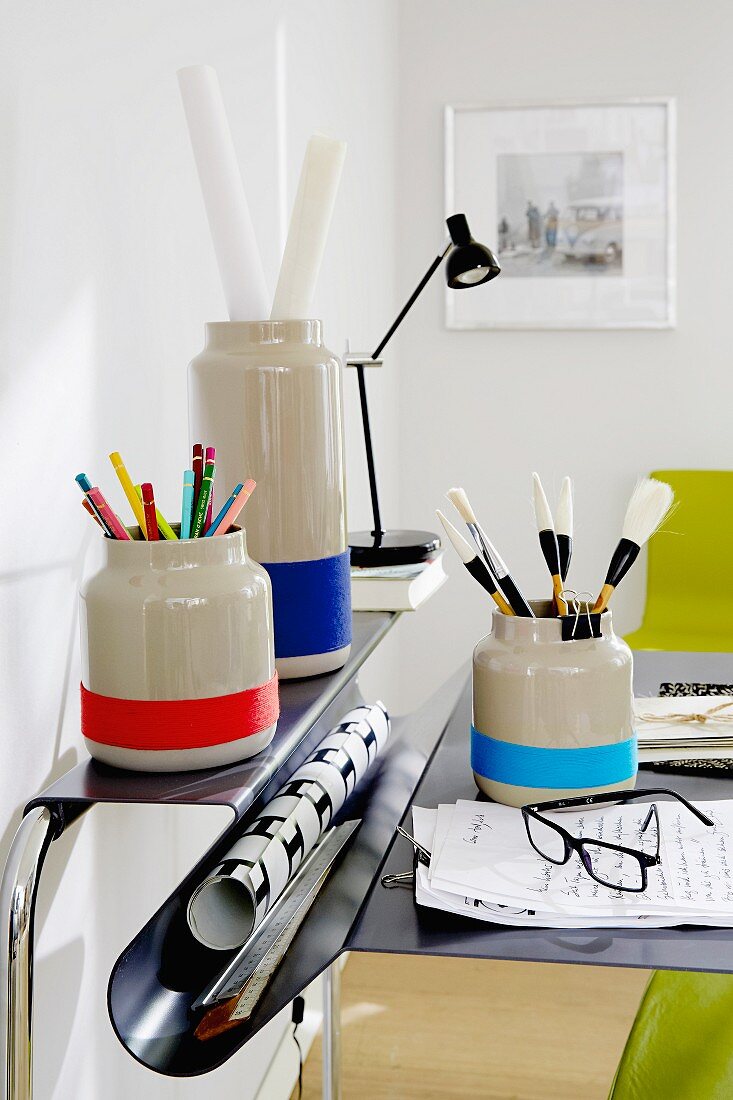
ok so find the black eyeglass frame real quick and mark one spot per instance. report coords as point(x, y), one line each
point(577, 844)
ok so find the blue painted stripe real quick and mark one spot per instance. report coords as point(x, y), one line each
point(312, 605)
point(530, 766)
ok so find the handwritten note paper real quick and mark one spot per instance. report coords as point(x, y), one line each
point(482, 856)
point(430, 827)
point(700, 859)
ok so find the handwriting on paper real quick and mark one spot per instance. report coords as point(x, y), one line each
point(476, 826)
point(486, 853)
point(496, 875)
point(701, 858)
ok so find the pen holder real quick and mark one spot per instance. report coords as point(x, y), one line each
point(552, 715)
point(178, 666)
point(268, 393)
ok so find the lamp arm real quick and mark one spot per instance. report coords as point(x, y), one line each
point(412, 299)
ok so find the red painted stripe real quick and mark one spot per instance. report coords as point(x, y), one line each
point(158, 724)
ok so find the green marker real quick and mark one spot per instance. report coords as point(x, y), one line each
point(199, 516)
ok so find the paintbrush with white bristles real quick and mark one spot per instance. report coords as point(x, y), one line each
point(564, 526)
point(650, 502)
point(491, 555)
point(475, 565)
point(548, 541)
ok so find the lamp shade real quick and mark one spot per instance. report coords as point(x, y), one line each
point(469, 263)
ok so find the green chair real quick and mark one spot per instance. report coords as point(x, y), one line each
point(681, 1043)
point(689, 596)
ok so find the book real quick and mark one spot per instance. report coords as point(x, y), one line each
point(396, 587)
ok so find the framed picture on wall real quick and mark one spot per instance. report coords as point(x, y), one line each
point(577, 201)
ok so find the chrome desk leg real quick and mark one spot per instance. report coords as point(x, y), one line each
point(332, 1032)
point(17, 910)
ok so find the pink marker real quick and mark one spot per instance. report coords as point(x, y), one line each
point(237, 506)
point(210, 457)
point(112, 521)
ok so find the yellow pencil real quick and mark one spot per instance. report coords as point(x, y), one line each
point(163, 525)
point(129, 489)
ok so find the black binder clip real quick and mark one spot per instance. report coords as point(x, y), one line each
point(584, 623)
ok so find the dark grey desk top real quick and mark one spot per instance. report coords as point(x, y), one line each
point(391, 922)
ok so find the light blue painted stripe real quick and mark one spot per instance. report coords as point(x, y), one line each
point(530, 766)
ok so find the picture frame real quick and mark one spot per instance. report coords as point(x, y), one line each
point(577, 200)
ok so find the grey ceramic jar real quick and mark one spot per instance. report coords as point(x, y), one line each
point(171, 622)
point(267, 394)
point(551, 718)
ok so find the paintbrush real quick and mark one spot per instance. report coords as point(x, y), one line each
point(491, 555)
point(564, 526)
point(548, 541)
point(650, 502)
point(475, 565)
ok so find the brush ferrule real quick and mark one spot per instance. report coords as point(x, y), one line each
point(478, 541)
point(489, 551)
point(623, 558)
point(565, 551)
point(548, 544)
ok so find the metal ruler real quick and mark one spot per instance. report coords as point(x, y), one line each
point(252, 967)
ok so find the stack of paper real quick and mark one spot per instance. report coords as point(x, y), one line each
point(674, 739)
point(482, 865)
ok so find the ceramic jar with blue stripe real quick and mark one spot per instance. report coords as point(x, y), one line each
point(267, 395)
point(551, 718)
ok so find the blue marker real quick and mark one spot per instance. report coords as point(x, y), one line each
point(215, 523)
point(85, 485)
point(187, 504)
point(83, 482)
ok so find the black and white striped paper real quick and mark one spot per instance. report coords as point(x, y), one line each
point(226, 908)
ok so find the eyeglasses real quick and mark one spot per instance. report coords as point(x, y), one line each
point(611, 865)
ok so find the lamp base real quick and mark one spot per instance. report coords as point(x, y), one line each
point(391, 548)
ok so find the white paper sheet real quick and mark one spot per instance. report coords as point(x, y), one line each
point(484, 866)
point(426, 831)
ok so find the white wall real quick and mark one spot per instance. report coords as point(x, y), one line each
point(106, 279)
point(484, 409)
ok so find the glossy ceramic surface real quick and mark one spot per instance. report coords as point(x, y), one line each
point(532, 688)
point(177, 620)
point(269, 394)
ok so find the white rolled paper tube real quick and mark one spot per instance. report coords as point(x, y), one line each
point(227, 210)
point(372, 721)
point(227, 907)
point(309, 225)
point(304, 812)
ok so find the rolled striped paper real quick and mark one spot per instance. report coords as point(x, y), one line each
point(227, 906)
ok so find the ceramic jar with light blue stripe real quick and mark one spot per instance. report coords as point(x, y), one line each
point(551, 718)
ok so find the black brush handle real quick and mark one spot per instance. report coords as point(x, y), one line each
point(482, 574)
point(565, 550)
point(514, 598)
point(623, 558)
point(548, 544)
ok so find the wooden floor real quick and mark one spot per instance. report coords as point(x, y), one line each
point(453, 1029)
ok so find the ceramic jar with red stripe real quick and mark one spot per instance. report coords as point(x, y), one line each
point(178, 663)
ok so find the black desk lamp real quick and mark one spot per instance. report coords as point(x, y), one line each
point(469, 264)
